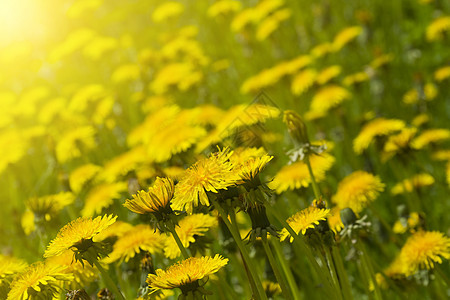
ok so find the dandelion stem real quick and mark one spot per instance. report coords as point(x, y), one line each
point(174, 233)
point(108, 281)
point(342, 273)
point(329, 261)
point(313, 179)
point(367, 267)
point(261, 293)
point(276, 270)
point(442, 275)
point(299, 242)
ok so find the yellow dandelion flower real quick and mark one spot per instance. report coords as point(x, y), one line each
point(166, 11)
point(442, 73)
point(272, 23)
point(329, 97)
point(321, 49)
point(303, 220)
point(188, 229)
point(423, 249)
point(355, 78)
point(328, 73)
point(411, 96)
point(118, 229)
point(185, 272)
point(68, 146)
point(242, 154)
point(242, 19)
point(419, 120)
point(80, 176)
point(77, 231)
point(376, 127)
point(381, 60)
point(249, 170)
point(122, 164)
point(430, 91)
point(345, 36)
point(271, 288)
point(140, 238)
point(82, 274)
point(38, 281)
point(9, 266)
point(206, 175)
point(430, 136)
point(126, 72)
point(398, 143)
point(99, 46)
point(334, 220)
point(443, 155)
point(357, 190)
point(102, 196)
point(415, 182)
point(296, 175)
point(303, 81)
point(48, 206)
point(437, 28)
point(224, 7)
point(157, 198)
point(411, 222)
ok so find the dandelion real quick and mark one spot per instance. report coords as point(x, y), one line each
point(321, 49)
point(334, 220)
point(138, 239)
point(78, 234)
point(430, 136)
point(116, 230)
point(80, 176)
point(328, 73)
point(303, 81)
point(189, 229)
point(248, 172)
point(304, 220)
point(46, 207)
point(437, 28)
point(186, 274)
point(102, 196)
point(442, 73)
point(209, 174)
point(271, 288)
point(356, 78)
point(357, 190)
point(345, 36)
point(224, 7)
point(410, 184)
point(399, 143)
point(68, 146)
point(410, 222)
point(38, 281)
point(272, 23)
point(423, 249)
point(296, 175)
point(376, 127)
point(10, 266)
point(167, 10)
point(328, 97)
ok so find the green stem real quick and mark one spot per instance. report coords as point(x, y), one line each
point(108, 281)
point(276, 270)
point(367, 266)
point(329, 261)
point(237, 238)
point(439, 271)
point(174, 233)
point(300, 243)
point(313, 179)
point(342, 273)
point(286, 270)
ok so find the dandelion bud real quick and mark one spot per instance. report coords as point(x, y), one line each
point(77, 295)
point(348, 217)
point(296, 127)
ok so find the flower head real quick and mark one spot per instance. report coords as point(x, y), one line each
point(38, 281)
point(10, 266)
point(76, 232)
point(424, 249)
point(185, 274)
point(102, 196)
point(156, 199)
point(188, 229)
point(430, 136)
point(140, 238)
point(305, 219)
point(209, 174)
point(249, 171)
point(296, 175)
point(377, 127)
point(415, 182)
point(357, 190)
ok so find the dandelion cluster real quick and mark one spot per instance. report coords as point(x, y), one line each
point(226, 149)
